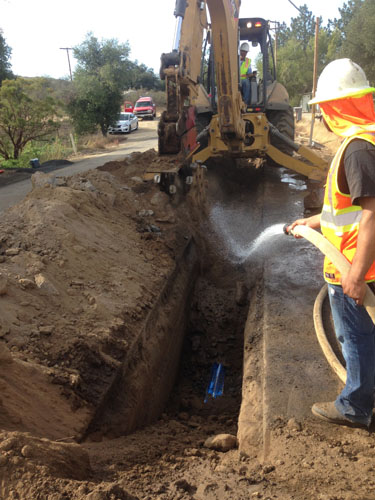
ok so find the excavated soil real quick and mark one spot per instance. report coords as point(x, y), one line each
point(84, 262)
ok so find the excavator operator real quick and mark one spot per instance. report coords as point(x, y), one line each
point(245, 73)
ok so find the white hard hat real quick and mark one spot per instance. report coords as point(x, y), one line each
point(245, 46)
point(339, 79)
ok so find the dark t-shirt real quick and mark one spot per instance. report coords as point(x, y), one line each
point(359, 165)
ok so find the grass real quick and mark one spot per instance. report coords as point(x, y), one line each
point(58, 148)
point(97, 141)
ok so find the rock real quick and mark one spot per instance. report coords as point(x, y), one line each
point(306, 464)
point(46, 330)
point(268, 468)
point(145, 213)
point(60, 181)
point(39, 179)
point(27, 451)
point(137, 179)
point(11, 252)
point(221, 442)
point(166, 220)
point(294, 425)
point(158, 199)
point(192, 452)
point(221, 468)
point(82, 185)
point(26, 283)
point(74, 379)
point(8, 444)
point(45, 286)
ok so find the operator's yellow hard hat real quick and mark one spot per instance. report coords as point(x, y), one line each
point(339, 79)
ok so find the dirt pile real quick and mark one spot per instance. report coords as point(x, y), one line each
point(326, 142)
point(82, 260)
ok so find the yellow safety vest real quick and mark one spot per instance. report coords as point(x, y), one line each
point(244, 67)
point(340, 219)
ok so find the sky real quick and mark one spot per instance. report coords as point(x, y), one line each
point(37, 30)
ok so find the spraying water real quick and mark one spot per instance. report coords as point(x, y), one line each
point(234, 228)
point(265, 236)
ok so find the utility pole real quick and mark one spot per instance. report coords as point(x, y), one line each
point(277, 24)
point(67, 52)
point(314, 77)
point(71, 79)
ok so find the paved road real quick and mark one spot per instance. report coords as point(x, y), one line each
point(141, 140)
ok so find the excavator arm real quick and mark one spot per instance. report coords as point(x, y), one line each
point(224, 24)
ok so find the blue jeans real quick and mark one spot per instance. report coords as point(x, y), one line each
point(246, 90)
point(356, 333)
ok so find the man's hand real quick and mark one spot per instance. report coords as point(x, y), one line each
point(313, 222)
point(353, 288)
point(353, 283)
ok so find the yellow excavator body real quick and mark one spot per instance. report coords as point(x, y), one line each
point(203, 122)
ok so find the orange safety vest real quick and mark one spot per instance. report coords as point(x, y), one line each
point(340, 219)
point(244, 67)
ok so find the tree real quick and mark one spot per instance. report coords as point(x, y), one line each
point(346, 14)
point(301, 29)
point(24, 115)
point(5, 53)
point(145, 78)
point(101, 76)
point(338, 29)
point(96, 103)
point(359, 40)
point(296, 49)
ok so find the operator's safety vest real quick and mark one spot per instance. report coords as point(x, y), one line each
point(244, 68)
point(340, 219)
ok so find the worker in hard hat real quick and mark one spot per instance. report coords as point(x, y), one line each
point(245, 72)
point(348, 221)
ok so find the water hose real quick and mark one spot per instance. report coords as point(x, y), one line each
point(343, 266)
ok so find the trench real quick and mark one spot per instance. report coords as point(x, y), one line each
point(198, 322)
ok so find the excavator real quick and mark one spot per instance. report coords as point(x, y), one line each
point(206, 116)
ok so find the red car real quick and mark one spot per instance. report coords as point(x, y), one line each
point(128, 107)
point(145, 108)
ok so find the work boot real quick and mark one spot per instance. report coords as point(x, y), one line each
point(329, 413)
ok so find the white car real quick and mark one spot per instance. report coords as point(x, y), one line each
point(126, 123)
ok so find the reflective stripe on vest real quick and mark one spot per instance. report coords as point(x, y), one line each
point(244, 67)
point(340, 219)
